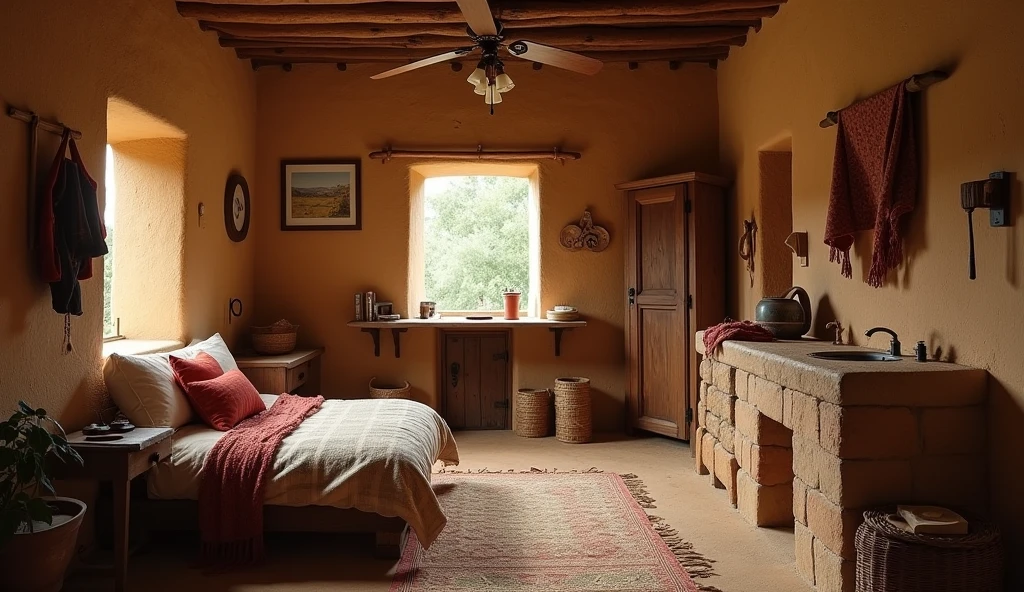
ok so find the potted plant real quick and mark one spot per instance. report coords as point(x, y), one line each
point(38, 531)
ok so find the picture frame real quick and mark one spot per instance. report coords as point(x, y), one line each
point(321, 194)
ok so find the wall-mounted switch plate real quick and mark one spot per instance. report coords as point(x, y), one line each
point(1000, 216)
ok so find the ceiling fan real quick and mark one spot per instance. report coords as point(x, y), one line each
point(489, 78)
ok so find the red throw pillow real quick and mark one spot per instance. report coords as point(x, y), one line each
point(226, 400)
point(201, 367)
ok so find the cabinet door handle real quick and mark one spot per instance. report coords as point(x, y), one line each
point(455, 374)
point(302, 375)
point(632, 296)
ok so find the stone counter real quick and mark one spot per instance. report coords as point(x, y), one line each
point(798, 440)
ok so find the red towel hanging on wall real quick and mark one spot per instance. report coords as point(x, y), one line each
point(874, 180)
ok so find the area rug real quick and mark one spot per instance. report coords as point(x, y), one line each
point(550, 532)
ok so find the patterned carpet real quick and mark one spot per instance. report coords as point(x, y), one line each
point(551, 532)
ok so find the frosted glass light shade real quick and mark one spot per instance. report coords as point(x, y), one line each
point(481, 89)
point(477, 77)
point(493, 97)
point(504, 83)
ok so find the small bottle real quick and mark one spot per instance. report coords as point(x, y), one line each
point(922, 351)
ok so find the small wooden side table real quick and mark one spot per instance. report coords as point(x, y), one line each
point(297, 372)
point(119, 462)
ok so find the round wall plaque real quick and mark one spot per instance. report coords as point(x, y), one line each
point(236, 208)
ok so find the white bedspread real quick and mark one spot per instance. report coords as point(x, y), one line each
point(372, 455)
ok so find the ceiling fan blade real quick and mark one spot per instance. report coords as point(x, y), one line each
point(478, 16)
point(552, 56)
point(444, 57)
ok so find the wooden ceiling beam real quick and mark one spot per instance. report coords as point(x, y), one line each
point(430, 12)
point(328, 54)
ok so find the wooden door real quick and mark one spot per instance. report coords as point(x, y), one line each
point(656, 310)
point(476, 381)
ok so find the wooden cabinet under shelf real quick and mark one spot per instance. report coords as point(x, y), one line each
point(297, 372)
point(675, 282)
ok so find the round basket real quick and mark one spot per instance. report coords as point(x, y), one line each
point(572, 410)
point(890, 559)
point(385, 391)
point(533, 413)
point(275, 339)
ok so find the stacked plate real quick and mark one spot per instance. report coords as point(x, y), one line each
point(563, 313)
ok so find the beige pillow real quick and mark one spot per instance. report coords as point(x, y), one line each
point(144, 389)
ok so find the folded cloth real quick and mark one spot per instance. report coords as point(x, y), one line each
point(874, 180)
point(734, 331)
point(234, 478)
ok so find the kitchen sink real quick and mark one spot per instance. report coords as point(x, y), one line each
point(855, 356)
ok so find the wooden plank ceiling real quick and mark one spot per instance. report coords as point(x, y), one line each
point(285, 32)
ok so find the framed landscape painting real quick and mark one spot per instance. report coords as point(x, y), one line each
point(320, 195)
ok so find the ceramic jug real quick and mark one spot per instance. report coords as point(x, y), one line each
point(785, 317)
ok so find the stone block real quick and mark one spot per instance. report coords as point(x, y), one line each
point(722, 376)
point(861, 484)
point(698, 453)
point(740, 380)
point(727, 440)
point(769, 465)
point(705, 369)
point(787, 408)
point(831, 572)
point(955, 481)
point(800, 501)
point(804, 552)
point(763, 505)
point(721, 404)
point(713, 424)
point(832, 525)
point(702, 410)
point(766, 396)
point(758, 427)
point(805, 461)
point(725, 471)
point(804, 414)
point(868, 432)
point(954, 430)
point(707, 450)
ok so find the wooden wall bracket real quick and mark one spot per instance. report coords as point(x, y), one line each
point(558, 338)
point(375, 335)
point(396, 337)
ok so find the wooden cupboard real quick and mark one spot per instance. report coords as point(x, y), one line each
point(475, 380)
point(675, 286)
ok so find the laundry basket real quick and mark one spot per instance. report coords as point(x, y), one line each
point(889, 559)
point(572, 410)
point(388, 391)
point(533, 413)
point(275, 339)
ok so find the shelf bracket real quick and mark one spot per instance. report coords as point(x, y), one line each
point(558, 338)
point(375, 334)
point(396, 336)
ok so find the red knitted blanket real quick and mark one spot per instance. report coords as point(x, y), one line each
point(234, 479)
point(735, 331)
point(874, 180)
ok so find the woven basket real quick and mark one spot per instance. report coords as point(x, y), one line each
point(890, 559)
point(275, 339)
point(383, 391)
point(572, 410)
point(533, 413)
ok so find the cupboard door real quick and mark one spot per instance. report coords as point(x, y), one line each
point(476, 389)
point(656, 310)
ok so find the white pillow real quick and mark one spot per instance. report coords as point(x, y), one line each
point(144, 389)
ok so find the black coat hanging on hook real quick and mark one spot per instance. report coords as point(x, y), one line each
point(70, 230)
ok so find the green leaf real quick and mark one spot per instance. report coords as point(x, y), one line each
point(39, 439)
point(44, 480)
point(39, 510)
point(25, 408)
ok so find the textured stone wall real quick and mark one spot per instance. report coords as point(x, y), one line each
point(786, 457)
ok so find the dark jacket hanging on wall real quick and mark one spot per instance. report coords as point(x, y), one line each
point(71, 231)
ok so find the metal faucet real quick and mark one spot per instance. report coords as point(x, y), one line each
point(894, 347)
point(839, 332)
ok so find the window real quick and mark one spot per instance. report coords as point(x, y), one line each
point(110, 322)
point(477, 241)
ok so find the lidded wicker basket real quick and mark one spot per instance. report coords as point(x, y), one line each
point(275, 339)
point(533, 413)
point(387, 391)
point(890, 559)
point(572, 410)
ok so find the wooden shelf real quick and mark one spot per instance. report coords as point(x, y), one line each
point(373, 328)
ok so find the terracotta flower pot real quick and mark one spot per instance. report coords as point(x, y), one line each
point(36, 561)
point(512, 306)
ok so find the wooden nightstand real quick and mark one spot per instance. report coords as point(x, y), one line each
point(119, 462)
point(297, 372)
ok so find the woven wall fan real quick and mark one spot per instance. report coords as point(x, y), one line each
point(489, 78)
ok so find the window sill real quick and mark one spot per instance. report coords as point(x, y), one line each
point(140, 346)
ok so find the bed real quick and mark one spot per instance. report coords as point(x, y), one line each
point(360, 465)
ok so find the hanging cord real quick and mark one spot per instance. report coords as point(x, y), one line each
point(747, 242)
point(67, 335)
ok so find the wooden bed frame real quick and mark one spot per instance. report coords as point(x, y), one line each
point(183, 515)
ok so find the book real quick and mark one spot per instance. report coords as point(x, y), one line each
point(932, 520)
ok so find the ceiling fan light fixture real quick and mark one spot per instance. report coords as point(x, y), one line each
point(481, 89)
point(478, 76)
point(504, 83)
point(493, 97)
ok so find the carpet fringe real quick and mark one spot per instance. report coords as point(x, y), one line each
point(697, 565)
